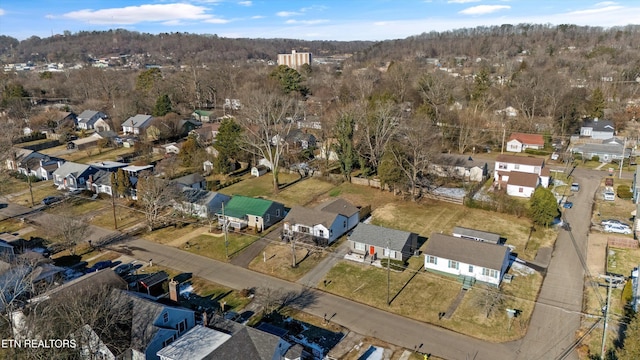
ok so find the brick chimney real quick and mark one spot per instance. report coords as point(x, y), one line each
point(173, 290)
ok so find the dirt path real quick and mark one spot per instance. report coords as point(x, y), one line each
point(596, 250)
point(197, 232)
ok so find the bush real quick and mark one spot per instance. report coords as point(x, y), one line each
point(394, 265)
point(536, 152)
point(595, 158)
point(624, 192)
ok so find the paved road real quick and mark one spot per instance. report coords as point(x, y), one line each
point(556, 317)
point(552, 327)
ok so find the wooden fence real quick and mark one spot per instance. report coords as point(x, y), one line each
point(624, 243)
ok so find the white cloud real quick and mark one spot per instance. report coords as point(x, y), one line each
point(596, 11)
point(462, 1)
point(217, 21)
point(137, 14)
point(2, 12)
point(257, 17)
point(484, 9)
point(245, 3)
point(307, 22)
point(287, 13)
point(605, 3)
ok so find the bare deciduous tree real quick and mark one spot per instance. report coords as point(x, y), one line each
point(70, 229)
point(376, 129)
point(154, 194)
point(267, 118)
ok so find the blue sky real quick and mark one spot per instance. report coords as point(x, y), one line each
point(302, 19)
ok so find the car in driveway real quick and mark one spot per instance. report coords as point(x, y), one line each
point(575, 187)
point(124, 269)
point(618, 229)
point(613, 222)
point(567, 205)
point(100, 265)
point(50, 200)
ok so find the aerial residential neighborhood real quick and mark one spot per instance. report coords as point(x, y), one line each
point(447, 196)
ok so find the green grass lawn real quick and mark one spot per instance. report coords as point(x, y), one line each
point(423, 295)
point(213, 246)
point(168, 234)
point(126, 217)
point(257, 186)
point(40, 190)
point(93, 155)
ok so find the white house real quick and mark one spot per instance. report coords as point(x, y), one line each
point(201, 203)
point(597, 129)
point(505, 164)
point(468, 260)
point(522, 184)
point(519, 142)
point(136, 124)
point(87, 120)
point(325, 223)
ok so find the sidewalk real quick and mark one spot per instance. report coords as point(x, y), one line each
point(313, 277)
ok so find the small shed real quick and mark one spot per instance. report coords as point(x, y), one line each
point(477, 235)
point(259, 170)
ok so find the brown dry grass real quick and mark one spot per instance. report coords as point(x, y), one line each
point(279, 261)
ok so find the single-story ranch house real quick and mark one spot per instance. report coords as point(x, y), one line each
point(466, 259)
point(379, 242)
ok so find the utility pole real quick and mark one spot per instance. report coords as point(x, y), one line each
point(606, 314)
point(388, 273)
point(226, 239)
point(504, 133)
point(30, 187)
point(624, 144)
point(113, 207)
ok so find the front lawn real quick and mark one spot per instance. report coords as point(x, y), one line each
point(257, 186)
point(279, 261)
point(169, 233)
point(212, 245)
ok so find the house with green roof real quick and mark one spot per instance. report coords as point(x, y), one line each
point(203, 115)
point(241, 212)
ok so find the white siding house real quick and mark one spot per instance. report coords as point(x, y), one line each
point(522, 184)
point(326, 223)
point(468, 260)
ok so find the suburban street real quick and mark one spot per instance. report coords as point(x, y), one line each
point(552, 328)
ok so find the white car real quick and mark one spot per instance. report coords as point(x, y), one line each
point(619, 229)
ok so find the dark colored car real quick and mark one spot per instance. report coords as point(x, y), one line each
point(567, 205)
point(124, 269)
point(50, 200)
point(100, 265)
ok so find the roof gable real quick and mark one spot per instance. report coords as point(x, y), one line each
point(380, 236)
point(528, 139)
point(471, 252)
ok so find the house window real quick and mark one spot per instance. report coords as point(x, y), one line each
point(516, 166)
point(502, 166)
point(257, 219)
point(389, 253)
point(304, 229)
point(453, 264)
point(267, 218)
point(182, 326)
point(168, 341)
point(165, 317)
point(432, 260)
point(345, 223)
point(321, 233)
point(470, 268)
point(520, 189)
point(359, 246)
point(277, 212)
point(490, 272)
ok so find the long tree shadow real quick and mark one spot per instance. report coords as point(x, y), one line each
point(405, 284)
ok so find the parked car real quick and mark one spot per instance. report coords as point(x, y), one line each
point(50, 200)
point(609, 196)
point(567, 205)
point(575, 187)
point(613, 222)
point(124, 269)
point(100, 265)
point(555, 156)
point(618, 229)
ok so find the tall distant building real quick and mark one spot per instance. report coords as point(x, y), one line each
point(295, 59)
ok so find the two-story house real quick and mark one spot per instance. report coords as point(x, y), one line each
point(136, 124)
point(73, 176)
point(520, 175)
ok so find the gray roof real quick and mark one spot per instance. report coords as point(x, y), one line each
point(196, 196)
point(71, 168)
point(310, 217)
point(467, 251)
point(196, 344)
point(477, 234)
point(143, 315)
point(380, 236)
point(104, 277)
point(137, 121)
point(102, 177)
point(599, 125)
point(338, 206)
point(87, 115)
point(189, 179)
point(612, 149)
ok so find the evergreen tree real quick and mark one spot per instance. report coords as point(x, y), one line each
point(121, 183)
point(289, 79)
point(596, 104)
point(543, 206)
point(227, 144)
point(163, 106)
point(344, 148)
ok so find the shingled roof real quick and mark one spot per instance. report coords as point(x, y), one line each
point(523, 160)
point(466, 251)
point(380, 236)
